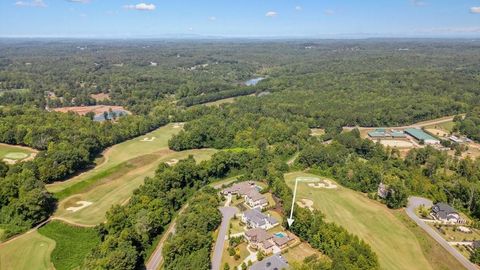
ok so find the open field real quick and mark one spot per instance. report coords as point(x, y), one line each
point(118, 189)
point(397, 143)
point(72, 244)
point(29, 251)
point(396, 246)
point(14, 153)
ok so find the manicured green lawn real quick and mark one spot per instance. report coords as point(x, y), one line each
point(121, 153)
point(118, 187)
point(73, 243)
point(396, 246)
point(28, 251)
point(14, 152)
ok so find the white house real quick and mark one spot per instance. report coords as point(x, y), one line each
point(255, 200)
point(256, 219)
point(446, 214)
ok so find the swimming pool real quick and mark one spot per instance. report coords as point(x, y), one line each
point(279, 235)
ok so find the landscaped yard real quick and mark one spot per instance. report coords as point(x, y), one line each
point(226, 258)
point(236, 226)
point(396, 246)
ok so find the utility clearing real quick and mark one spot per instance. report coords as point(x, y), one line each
point(395, 245)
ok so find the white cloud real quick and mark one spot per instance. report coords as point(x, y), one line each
point(298, 8)
point(212, 18)
point(141, 6)
point(271, 14)
point(329, 12)
point(475, 10)
point(33, 3)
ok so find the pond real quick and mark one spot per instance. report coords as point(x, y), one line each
point(253, 82)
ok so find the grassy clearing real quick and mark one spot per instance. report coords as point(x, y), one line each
point(14, 152)
point(300, 252)
point(118, 187)
point(396, 246)
point(29, 251)
point(446, 126)
point(72, 243)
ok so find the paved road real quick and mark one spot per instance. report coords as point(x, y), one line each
point(414, 202)
point(156, 258)
point(227, 214)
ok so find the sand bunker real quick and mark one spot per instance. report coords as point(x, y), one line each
point(178, 125)
point(323, 184)
point(306, 203)
point(82, 204)
point(148, 139)
point(172, 162)
point(9, 161)
point(397, 143)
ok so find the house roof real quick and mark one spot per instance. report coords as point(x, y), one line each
point(254, 195)
point(280, 241)
point(241, 188)
point(443, 210)
point(258, 217)
point(274, 262)
point(258, 235)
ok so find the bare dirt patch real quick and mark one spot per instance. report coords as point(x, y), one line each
point(397, 143)
point(98, 109)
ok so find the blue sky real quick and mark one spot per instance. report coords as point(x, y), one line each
point(239, 18)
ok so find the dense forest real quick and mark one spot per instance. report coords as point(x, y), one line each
point(310, 84)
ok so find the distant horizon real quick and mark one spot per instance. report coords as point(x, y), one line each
point(240, 19)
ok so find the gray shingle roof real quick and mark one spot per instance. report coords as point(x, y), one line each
point(258, 217)
point(274, 262)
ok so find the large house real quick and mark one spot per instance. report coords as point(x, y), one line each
point(250, 193)
point(274, 262)
point(255, 200)
point(446, 213)
point(241, 188)
point(256, 219)
point(266, 242)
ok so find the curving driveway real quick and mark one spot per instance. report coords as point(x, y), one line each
point(415, 202)
point(227, 214)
